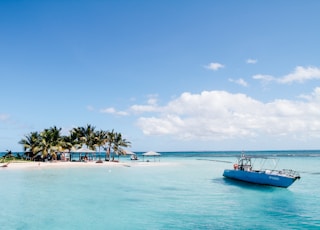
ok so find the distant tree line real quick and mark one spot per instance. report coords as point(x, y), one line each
point(50, 141)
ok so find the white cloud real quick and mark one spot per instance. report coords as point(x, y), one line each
point(150, 107)
point(251, 61)
point(161, 126)
point(262, 77)
point(214, 66)
point(219, 115)
point(239, 81)
point(152, 99)
point(300, 75)
point(112, 110)
point(108, 110)
point(122, 113)
point(143, 108)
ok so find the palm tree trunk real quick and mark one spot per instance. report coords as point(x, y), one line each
point(108, 154)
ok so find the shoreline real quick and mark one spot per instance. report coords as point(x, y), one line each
point(68, 164)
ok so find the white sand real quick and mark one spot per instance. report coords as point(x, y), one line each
point(68, 164)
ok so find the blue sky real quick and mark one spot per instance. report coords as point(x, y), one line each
point(169, 75)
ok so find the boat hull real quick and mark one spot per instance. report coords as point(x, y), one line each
point(259, 177)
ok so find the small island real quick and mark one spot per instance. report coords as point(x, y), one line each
point(51, 145)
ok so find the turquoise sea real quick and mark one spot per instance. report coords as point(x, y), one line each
point(185, 190)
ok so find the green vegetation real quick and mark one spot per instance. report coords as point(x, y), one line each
point(9, 157)
point(50, 141)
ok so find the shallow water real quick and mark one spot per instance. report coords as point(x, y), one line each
point(177, 193)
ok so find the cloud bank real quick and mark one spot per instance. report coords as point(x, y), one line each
point(220, 115)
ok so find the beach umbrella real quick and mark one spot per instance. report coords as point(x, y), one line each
point(151, 153)
point(128, 152)
point(84, 150)
point(133, 156)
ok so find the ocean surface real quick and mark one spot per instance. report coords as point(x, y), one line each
point(185, 190)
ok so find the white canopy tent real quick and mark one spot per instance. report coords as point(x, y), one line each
point(128, 152)
point(151, 154)
point(85, 151)
point(133, 156)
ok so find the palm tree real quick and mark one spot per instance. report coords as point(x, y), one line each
point(89, 137)
point(118, 143)
point(100, 140)
point(50, 140)
point(68, 142)
point(85, 136)
point(56, 138)
point(109, 140)
point(75, 135)
point(31, 143)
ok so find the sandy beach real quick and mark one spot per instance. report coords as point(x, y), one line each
point(68, 164)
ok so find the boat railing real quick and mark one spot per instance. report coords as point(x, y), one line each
point(290, 172)
point(285, 172)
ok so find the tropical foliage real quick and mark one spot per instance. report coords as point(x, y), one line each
point(50, 141)
point(9, 157)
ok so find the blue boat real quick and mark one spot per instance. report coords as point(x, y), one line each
point(243, 171)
